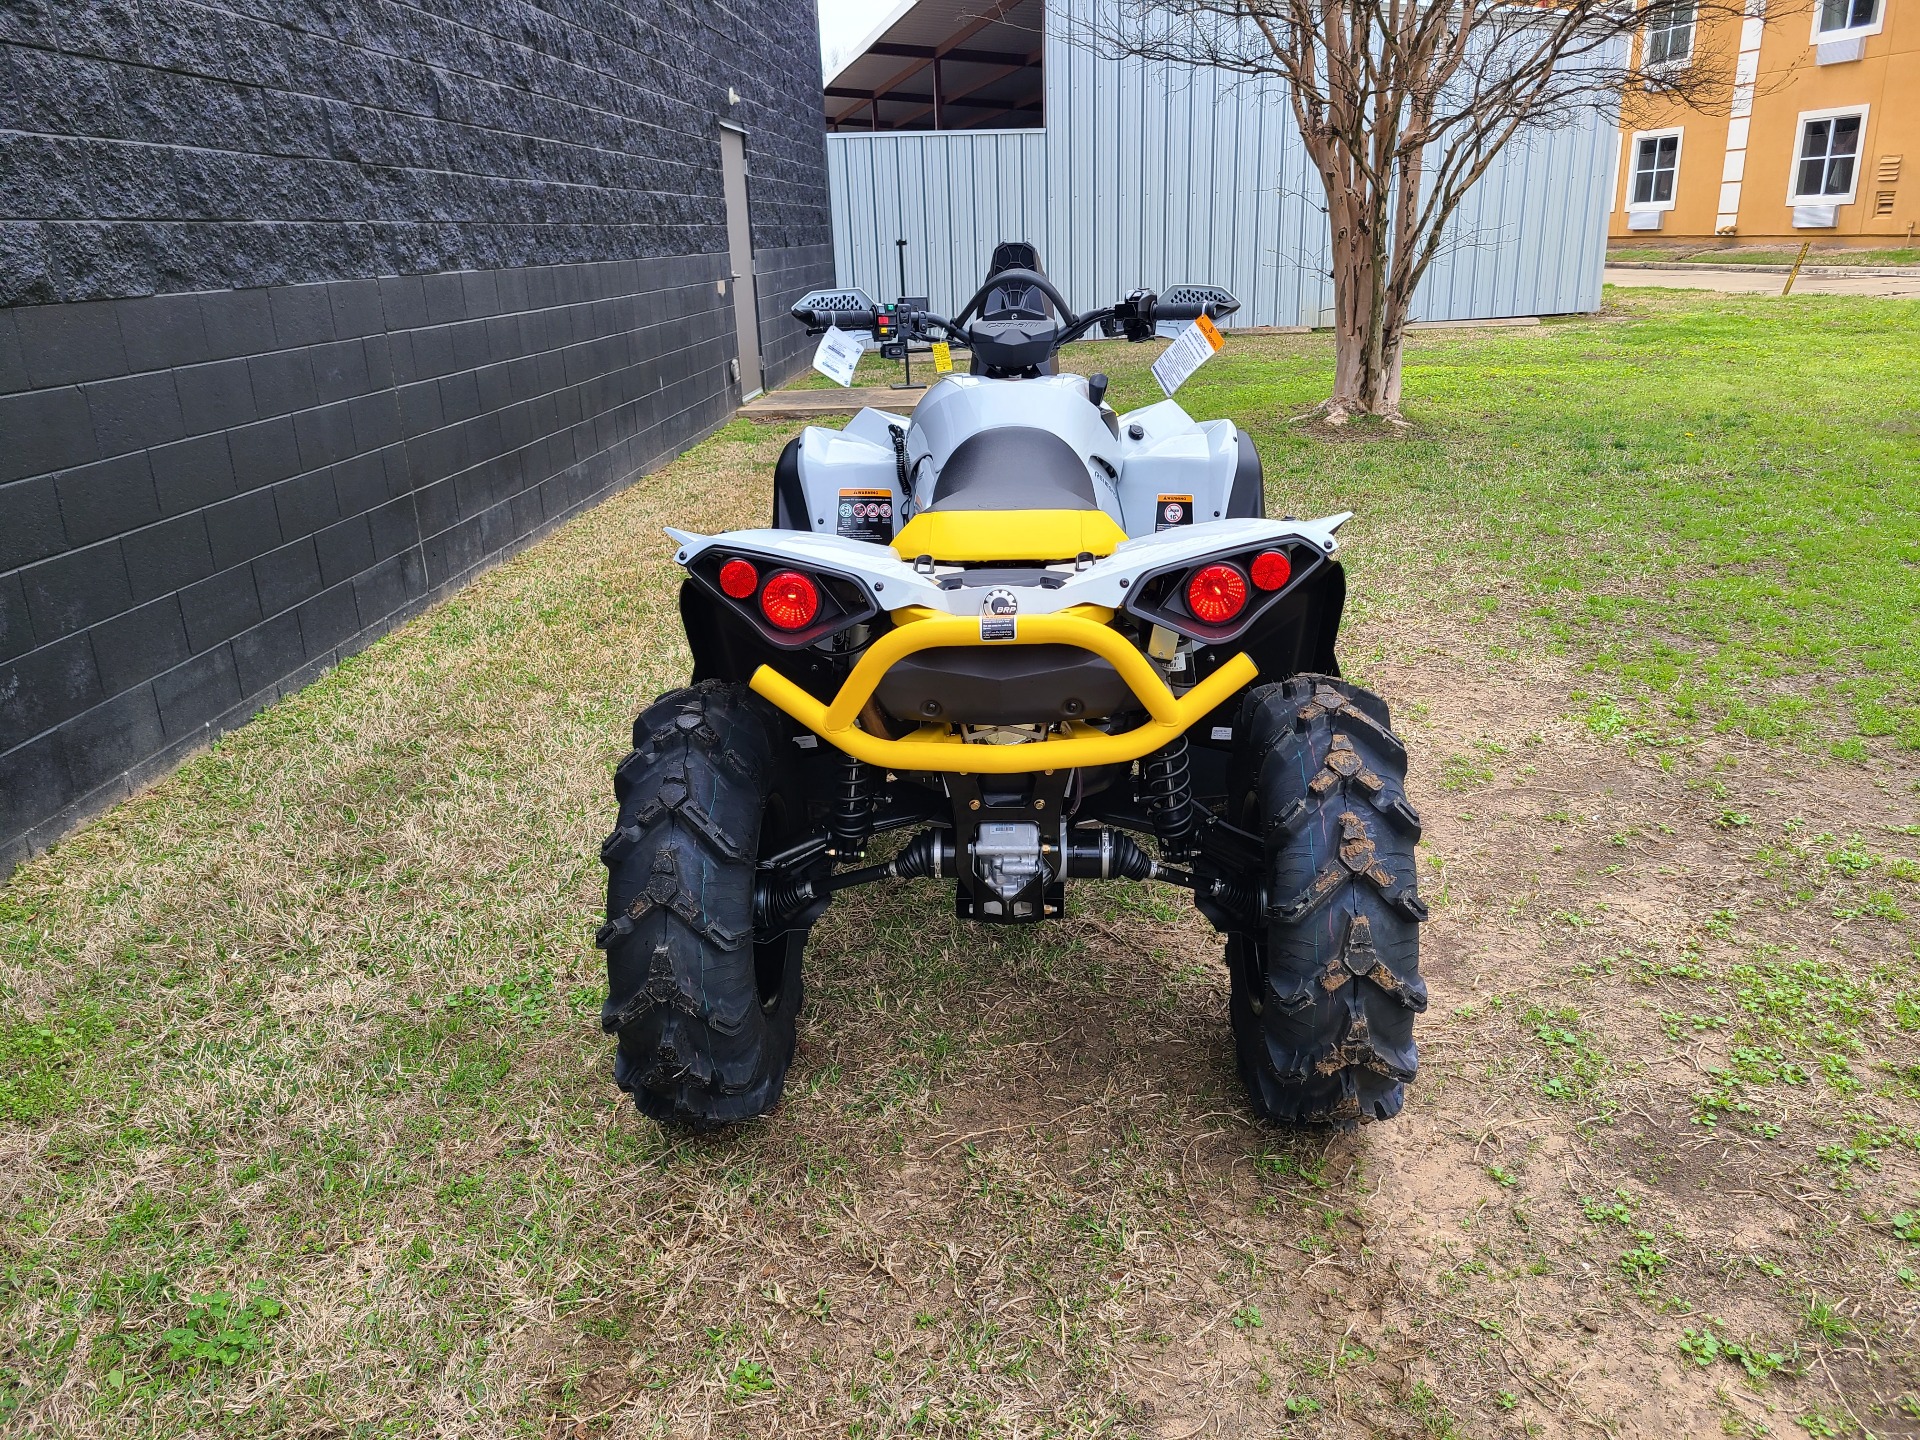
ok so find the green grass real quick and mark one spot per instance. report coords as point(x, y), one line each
point(308, 1121)
point(1710, 503)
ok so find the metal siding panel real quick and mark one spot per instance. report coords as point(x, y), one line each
point(887, 217)
point(1082, 187)
point(1150, 236)
point(1036, 166)
point(1233, 219)
point(1154, 176)
point(841, 202)
point(1523, 277)
point(911, 207)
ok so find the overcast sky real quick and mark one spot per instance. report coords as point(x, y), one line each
point(843, 25)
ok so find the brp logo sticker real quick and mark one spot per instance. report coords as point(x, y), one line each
point(999, 614)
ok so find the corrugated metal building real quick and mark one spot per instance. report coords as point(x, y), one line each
point(1128, 174)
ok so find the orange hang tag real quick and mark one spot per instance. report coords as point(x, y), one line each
point(1191, 349)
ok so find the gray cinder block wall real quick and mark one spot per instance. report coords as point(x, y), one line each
point(308, 311)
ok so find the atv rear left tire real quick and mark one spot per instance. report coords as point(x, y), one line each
point(1325, 989)
point(706, 1014)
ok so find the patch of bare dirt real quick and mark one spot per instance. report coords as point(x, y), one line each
point(1013, 1189)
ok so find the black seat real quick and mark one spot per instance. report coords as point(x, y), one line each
point(1014, 467)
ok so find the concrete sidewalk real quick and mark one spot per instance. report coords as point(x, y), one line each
point(1735, 280)
point(798, 404)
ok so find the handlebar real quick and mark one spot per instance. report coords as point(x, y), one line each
point(1150, 312)
point(820, 321)
point(1014, 345)
point(1026, 279)
point(1211, 310)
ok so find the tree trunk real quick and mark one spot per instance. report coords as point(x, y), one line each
point(1368, 310)
point(1368, 317)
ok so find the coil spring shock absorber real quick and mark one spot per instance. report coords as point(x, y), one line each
point(852, 821)
point(1166, 788)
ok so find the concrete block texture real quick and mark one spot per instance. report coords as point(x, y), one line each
point(304, 321)
point(175, 147)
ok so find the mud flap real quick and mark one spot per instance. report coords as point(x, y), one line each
point(1247, 500)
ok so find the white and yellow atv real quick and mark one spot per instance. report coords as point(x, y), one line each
point(1054, 643)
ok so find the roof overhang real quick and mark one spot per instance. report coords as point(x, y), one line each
point(945, 65)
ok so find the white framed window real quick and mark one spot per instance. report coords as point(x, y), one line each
point(1667, 41)
point(1826, 156)
point(1654, 169)
point(1846, 19)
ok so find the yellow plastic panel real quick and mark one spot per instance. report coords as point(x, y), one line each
point(1011, 535)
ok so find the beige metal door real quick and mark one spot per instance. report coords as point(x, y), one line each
point(746, 323)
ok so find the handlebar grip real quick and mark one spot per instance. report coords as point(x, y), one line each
point(819, 321)
point(1183, 312)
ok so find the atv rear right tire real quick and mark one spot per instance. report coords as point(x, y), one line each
point(706, 1014)
point(1326, 988)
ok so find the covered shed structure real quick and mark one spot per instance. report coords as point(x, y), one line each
point(959, 123)
point(945, 65)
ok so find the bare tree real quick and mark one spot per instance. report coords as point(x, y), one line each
point(1403, 104)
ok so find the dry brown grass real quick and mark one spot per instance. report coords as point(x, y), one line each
point(318, 1015)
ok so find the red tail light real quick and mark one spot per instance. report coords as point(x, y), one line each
point(1272, 570)
point(1216, 593)
point(790, 600)
point(739, 579)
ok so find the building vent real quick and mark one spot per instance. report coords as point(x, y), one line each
point(1883, 202)
point(1888, 171)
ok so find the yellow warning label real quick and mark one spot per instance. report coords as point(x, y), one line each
point(942, 358)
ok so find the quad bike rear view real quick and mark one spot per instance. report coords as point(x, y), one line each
point(1041, 644)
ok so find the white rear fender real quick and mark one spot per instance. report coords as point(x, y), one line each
point(1177, 471)
point(851, 477)
point(894, 584)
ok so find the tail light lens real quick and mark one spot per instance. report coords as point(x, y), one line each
point(790, 600)
point(739, 579)
point(1272, 570)
point(1216, 593)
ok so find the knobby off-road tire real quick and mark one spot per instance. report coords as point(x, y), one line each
point(705, 1015)
point(1325, 991)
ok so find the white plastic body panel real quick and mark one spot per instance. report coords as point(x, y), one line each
point(858, 458)
point(1176, 464)
point(894, 582)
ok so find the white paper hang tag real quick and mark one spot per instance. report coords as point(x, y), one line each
point(838, 356)
point(1196, 345)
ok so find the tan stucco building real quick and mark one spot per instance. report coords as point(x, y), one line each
point(1819, 139)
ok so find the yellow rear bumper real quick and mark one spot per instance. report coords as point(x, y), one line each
point(933, 747)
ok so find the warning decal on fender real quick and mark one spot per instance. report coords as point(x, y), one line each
point(1171, 510)
point(866, 515)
